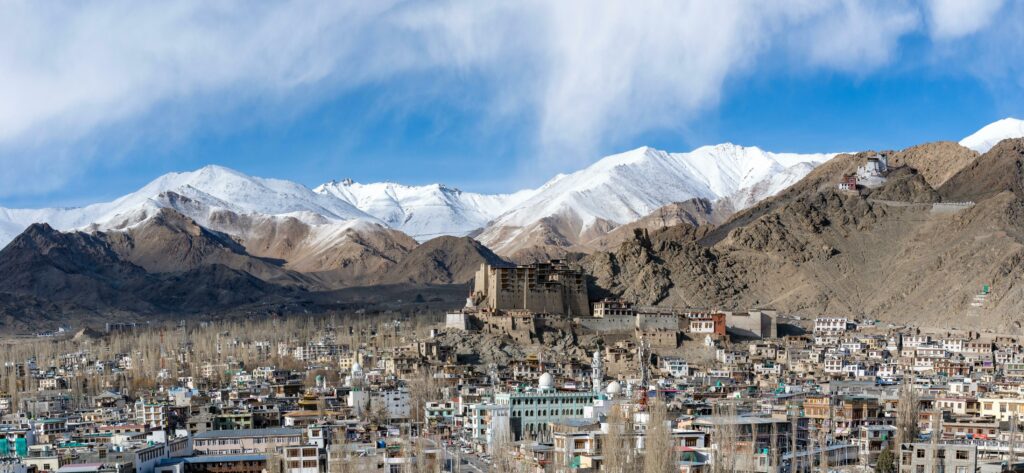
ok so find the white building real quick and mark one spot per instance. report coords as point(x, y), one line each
point(675, 367)
point(873, 172)
point(484, 423)
point(831, 325)
point(151, 414)
point(301, 459)
point(395, 401)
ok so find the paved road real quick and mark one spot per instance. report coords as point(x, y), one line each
point(467, 463)
point(462, 462)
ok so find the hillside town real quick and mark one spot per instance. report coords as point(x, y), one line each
point(567, 236)
point(530, 376)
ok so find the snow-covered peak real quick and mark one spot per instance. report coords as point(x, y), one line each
point(423, 212)
point(617, 189)
point(624, 187)
point(991, 134)
point(246, 194)
point(197, 194)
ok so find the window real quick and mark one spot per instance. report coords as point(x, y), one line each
point(962, 454)
point(920, 453)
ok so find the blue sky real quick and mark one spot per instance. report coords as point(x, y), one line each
point(488, 98)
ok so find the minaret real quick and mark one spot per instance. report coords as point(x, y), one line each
point(644, 357)
point(492, 373)
point(597, 372)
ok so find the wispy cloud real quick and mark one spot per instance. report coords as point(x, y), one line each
point(586, 72)
point(952, 19)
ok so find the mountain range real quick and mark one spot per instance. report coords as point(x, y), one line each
point(564, 214)
point(724, 225)
point(940, 243)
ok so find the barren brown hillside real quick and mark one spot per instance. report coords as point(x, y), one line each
point(887, 253)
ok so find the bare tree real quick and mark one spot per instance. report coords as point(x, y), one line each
point(908, 414)
point(613, 448)
point(823, 460)
point(503, 455)
point(1012, 450)
point(274, 463)
point(774, 442)
point(936, 427)
point(339, 460)
point(794, 449)
point(659, 454)
point(724, 436)
point(423, 387)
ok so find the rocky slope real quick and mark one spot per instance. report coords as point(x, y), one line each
point(170, 242)
point(217, 239)
point(443, 260)
point(888, 253)
point(936, 162)
point(168, 265)
point(699, 214)
point(80, 273)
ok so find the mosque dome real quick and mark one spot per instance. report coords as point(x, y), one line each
point(614, 388)
point(546, 381)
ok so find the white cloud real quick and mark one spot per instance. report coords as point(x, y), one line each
point(951, 19)
point(854, 35)
point(589, 72)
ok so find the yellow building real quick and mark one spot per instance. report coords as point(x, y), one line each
point(1002, 408)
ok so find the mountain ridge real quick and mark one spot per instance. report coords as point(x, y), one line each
point(945, 217)
point(562, 215)
point(274, 239)
point(905, 251)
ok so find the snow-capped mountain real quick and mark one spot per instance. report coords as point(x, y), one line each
point(769, 186)
point(197, 194)
point(271, 218)
point(424, 212)
point(625, 187)
point(278, 218)
point(991, 134)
